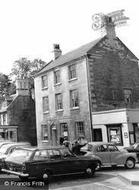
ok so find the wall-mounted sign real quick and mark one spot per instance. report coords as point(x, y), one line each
point(125, 134)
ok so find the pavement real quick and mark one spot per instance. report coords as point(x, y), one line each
point(121, 180)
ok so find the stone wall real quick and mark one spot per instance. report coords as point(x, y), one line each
point(22, 114)
point(112, 69)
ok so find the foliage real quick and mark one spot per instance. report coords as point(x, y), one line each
point(6, 86)
point(25, 68)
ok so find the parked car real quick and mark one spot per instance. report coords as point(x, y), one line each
point(7, 149)
point(47, 162)
point(110, 155)
point(5, 142)
point(133, 148)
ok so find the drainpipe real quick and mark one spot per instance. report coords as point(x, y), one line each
point(89, 95)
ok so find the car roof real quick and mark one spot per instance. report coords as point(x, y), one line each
point(100, 143)
point(42, 147)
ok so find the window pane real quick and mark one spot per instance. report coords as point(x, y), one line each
point(72, 71)
point(45, 104)
point(57, 76)
point(59, 104)
point(79, 129)
point(44, 81)
point(44, 132)
point(74, 98)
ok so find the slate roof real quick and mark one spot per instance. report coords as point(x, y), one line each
point(72, 55)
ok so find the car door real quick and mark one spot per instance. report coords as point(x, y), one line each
point(116, 156)
point(103, 153)
point(71, 162)
point(38, 162)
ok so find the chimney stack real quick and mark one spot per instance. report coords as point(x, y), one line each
point(57, 51)
point(110, 28)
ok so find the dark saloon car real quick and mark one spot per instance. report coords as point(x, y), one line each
point(133, 148)
point(46, 162)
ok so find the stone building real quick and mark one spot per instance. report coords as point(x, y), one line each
point(17, 115)
point(92, 91)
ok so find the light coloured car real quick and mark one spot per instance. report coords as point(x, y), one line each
point(7, 149)
point(110, 155)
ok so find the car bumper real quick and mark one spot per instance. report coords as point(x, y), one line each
point(15, 173)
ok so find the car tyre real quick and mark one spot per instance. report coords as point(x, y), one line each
point(130, 163)
point(46, 176)
point(90, 171)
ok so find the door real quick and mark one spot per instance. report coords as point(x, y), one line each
point(116, 155)
point(104, 154)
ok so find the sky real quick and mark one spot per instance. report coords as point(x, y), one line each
point(29, 28)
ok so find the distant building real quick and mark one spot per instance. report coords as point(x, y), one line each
point(17, 115)
point(92, 91)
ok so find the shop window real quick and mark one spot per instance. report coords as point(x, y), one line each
point(97, 134)
point(114, 133)
point(44, 132)
point(72, 71)
point(74, 99)
point(79, 126)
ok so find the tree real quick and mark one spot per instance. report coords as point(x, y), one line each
point(6, 86)
point(25, 68)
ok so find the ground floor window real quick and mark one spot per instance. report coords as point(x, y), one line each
point(79, 129)
point(114, 133)
point(44, 132)
point(97, 134)
point(8, 134)
point(64, 130)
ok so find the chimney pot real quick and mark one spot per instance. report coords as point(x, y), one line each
point(57, 51)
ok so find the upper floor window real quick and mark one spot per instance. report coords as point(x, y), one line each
point(4, 119)
point(72, 71)
point(44, 81)
point(128, 95)
point(59, 103)
point(57, 76)
point(45, 102)
point(74, 99)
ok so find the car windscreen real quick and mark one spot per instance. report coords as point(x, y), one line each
point(19, 155)
point(4, 148)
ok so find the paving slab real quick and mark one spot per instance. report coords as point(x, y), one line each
point(131, 177)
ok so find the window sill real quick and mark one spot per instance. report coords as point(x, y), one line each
point(75, 108)
point(61, 110)
point(45, 88)
point(73, 79)
point(46, 112)
point(44, 141)
point(58, 84)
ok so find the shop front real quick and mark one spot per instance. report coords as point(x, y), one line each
point(120, 126)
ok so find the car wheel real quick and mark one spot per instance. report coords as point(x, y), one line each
point(90, 171)
point(46, 176)
point(130, 163)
